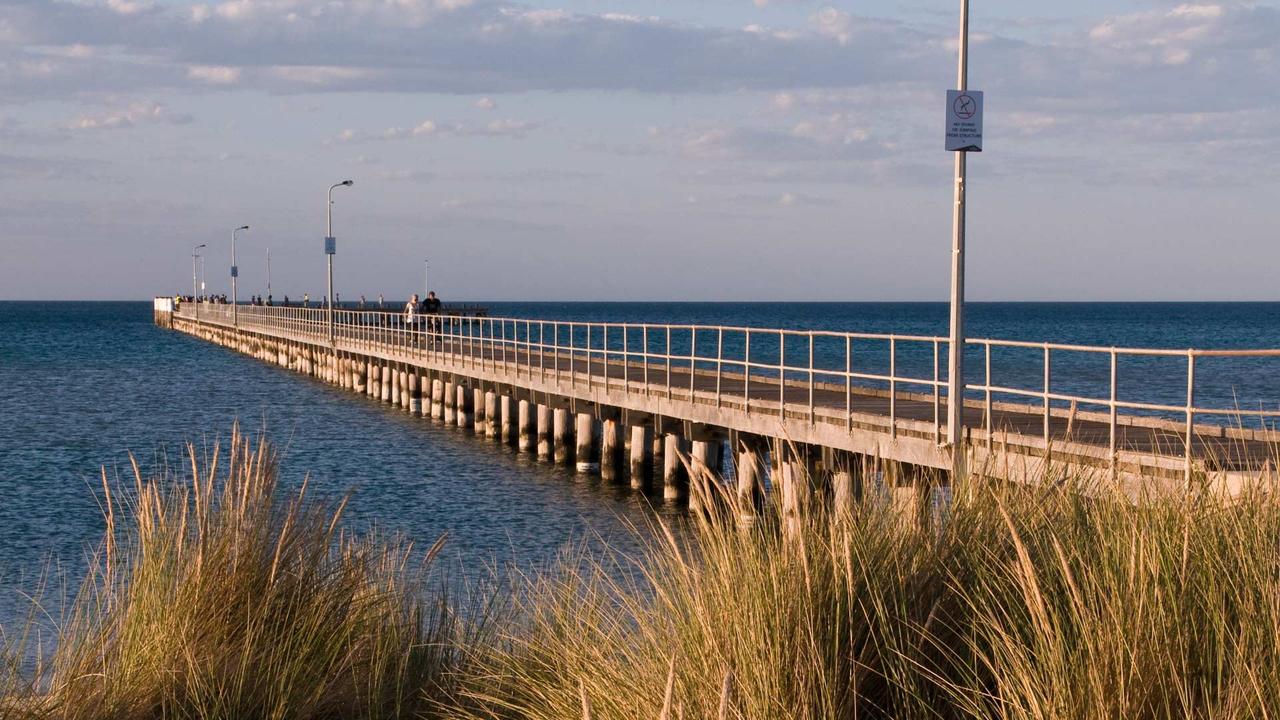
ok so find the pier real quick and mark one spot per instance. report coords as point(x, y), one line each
point(645, 403)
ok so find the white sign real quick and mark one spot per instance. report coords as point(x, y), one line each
point(964, 120)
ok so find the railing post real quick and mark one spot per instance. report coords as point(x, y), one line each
point(693, 352)
point(1112, 422)
point(811, 412)
point(1046, 396)
point(746, 374)
point(782, 376)
point(719, 360)
point(1191, 412)
point(937, 397)
point(626, 360)
point(893, 387)
point(848, 383)
point(644, 356)
point(988, 421)
point(668, 327)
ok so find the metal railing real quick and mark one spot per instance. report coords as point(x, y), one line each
point(892, 382)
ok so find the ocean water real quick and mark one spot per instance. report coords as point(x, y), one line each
point(83, 385)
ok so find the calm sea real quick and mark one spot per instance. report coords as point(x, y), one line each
point(82, 385)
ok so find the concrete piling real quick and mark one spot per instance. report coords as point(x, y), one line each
point(384, 372)
point(560, 434)
point(437, 399)
point(584, 451)
point(479, 411)
point(525, 425)
point(610, 445)
point(415, 393)
point(464, 407)
point(491, 419)
point(450, 403)
point(700, 452)
point(544, 432)
point(641, 456)
point(506, 412)
point(673, 473)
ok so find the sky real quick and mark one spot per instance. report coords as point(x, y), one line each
point(638, 149)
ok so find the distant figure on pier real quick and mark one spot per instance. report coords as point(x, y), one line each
point(380, 305)
point(306, 299)
point(361, 302)
point(337, 300)
point(431, 308)
point(411, 313)
point(286, 301)
point(268, 301)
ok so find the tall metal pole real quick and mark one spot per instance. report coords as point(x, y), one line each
point(235, 272)
point(426, 286)
point(955, 353)
point(195, 254)
point(268, 272)
point(329, 251)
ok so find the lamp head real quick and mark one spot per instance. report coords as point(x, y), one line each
point(348, 183)
point(243, 227)
point(201, 245)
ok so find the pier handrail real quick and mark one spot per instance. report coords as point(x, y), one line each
point(695, 362)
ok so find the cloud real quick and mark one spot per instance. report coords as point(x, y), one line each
point(142, 112)
point(428, 128)
point(214, 74)
point(486, 103)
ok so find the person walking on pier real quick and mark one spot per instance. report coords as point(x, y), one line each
point(431, 308)
point(306, 299)
point(411, 316)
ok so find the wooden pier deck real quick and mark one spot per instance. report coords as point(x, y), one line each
point(662, 377)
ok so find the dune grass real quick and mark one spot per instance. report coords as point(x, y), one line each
point(223, 595)
point(226, 596)
point(1021, 603)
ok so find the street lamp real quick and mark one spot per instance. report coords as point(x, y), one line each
point(194, 255)
point(426, 286)
point(330, 246)
point(235, 272)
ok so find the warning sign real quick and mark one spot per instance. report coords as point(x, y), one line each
point(964, 120)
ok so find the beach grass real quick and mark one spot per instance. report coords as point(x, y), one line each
point(1018, 603)
point(225, 595)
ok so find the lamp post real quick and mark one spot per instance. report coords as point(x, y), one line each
point(330, 247)
point(955, 352)
point(268, 273)
point(426, 286)
point(195, 254)
point(235, 272)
